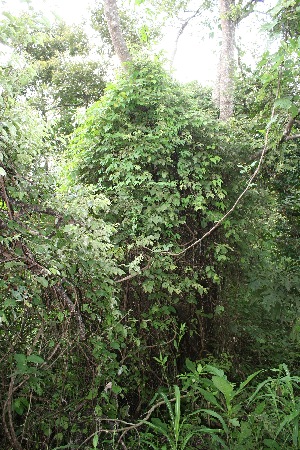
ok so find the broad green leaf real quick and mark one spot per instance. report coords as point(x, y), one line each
point(190, 365)
point(210, 397)
point(35, 359)
point(270, 443)
point(223, 386)
point(95, 440)
point(214, 370)
point(235, 422)
point(20, 358)
point(284, 103)
point(43, 281)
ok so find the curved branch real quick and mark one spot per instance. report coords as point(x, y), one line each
point(181, 30)
point(131, 426)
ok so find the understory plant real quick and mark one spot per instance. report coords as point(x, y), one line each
point(211, 412)
point(208, 411)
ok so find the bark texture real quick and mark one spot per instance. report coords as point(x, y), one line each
point(115, 31)
point(225, 83)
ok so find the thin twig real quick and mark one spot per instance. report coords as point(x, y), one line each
point(68, 302)
point(26, 417)
point(131, 426)
point(181, 30)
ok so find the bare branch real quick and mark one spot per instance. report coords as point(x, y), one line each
point(181, 30)
point(131, 426)
point(294, 136)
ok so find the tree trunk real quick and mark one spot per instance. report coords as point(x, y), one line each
point(114, 27)
point(226, 68)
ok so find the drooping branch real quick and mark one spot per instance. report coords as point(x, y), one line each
point(115, 31)
point(133, 275)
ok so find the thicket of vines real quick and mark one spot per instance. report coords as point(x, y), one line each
point(120, 326)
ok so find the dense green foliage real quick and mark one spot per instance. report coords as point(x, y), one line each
point(126, 320)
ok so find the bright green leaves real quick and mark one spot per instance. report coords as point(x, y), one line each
point(150, 148)
point(43, 281)
point(280, 68)
point(145, 141)
point(23, 363)
point(286, 104)
point(225, 387)
point(95, 440)
point(35, 359)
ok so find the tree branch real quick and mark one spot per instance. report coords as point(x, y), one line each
point(129, 277)
point(181, 30)
point(131, 426)
point(294, 136)
point(70, 305)
point(245, 10)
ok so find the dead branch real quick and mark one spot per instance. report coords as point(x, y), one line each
point(181, 30)
point(131, 426)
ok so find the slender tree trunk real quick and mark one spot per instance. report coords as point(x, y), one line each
point(113, 22)
point(226, 68)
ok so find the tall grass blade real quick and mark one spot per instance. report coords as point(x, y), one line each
point(177, 413)
point(169, 406)
point(247, 381)
point(287, 420)
point(217, 416)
